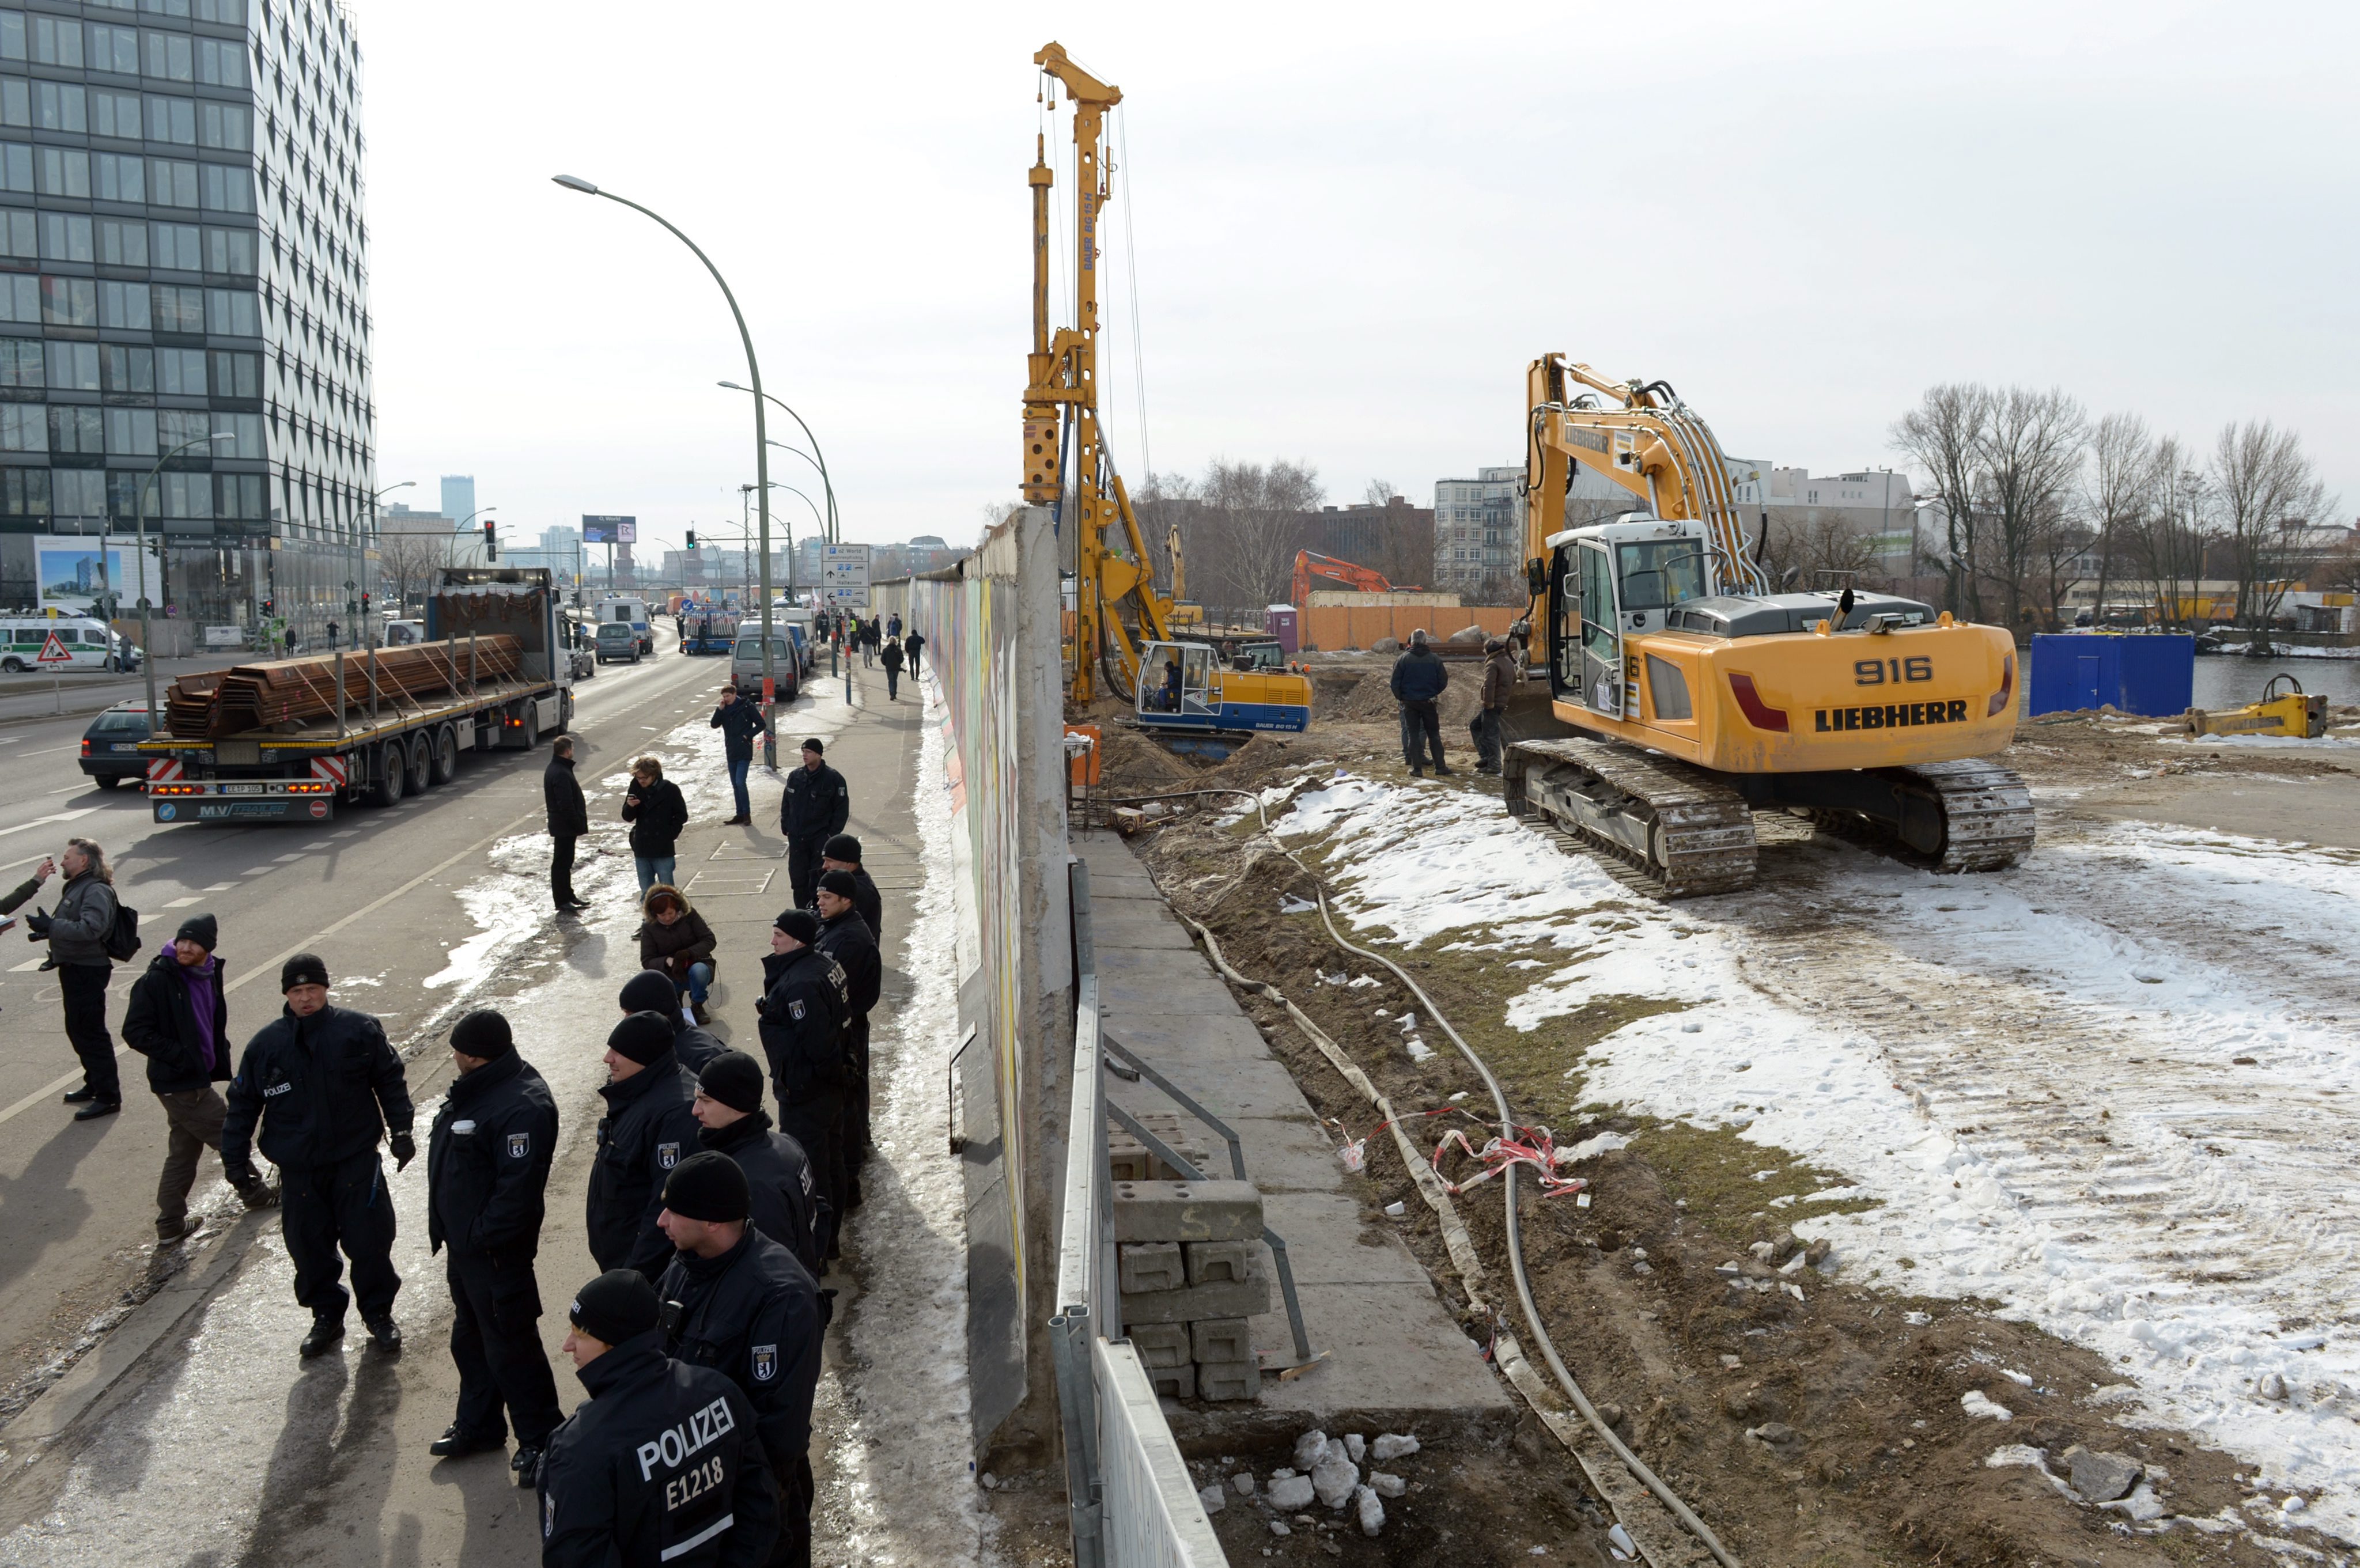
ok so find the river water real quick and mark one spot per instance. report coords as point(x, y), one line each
point(2232, 680)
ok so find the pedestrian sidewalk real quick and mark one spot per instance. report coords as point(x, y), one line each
point(1395, 1360)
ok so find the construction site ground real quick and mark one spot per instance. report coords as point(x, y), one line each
point(2068, 1144)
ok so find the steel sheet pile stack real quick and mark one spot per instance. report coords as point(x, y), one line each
point(300, 690)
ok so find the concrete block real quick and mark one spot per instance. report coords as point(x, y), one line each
point(1174, 1382)
point(1190, 1303)
point(1186, 1211)
point(1160, 1344)
point(1229, 1380)
point(1223, 1340)
point(1129, 1160)
point(1213, 1262)
point(1150, 1265)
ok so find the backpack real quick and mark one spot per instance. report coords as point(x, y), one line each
point(122, 939)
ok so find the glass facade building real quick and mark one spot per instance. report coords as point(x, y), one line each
point(183, 255)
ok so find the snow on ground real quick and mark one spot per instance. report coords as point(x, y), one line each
point(2045, 1099)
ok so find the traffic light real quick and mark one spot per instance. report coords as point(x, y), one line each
point(692, 538)
point(491, 540)
point(364, 601)
point(270, 608)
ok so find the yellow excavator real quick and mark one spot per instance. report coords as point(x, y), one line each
point(1120, 624)
point(1696, 694)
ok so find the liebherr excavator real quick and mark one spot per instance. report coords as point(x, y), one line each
point(1696, 694)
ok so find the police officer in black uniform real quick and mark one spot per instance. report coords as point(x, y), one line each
point(651, 991)
point(842, 854)
point(647, 1130)
point(844, 936)
point(739, 1302)
point(662, 1466)
point(786, 1206)
point(487, 1167)
point(814, 810)
point(325, 1085)
point(805, 1002)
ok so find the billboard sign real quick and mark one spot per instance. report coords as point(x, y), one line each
point(844, 575)
point(73, 575)
point(610, 530)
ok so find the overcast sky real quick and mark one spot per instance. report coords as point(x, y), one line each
point(1354, 226)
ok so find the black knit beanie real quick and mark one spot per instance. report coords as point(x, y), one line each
point(735, 1079)
point(649, 991)
point(202, 929)
point(303, 969)
point(483, 1033)
point(615, 1306)
point(709, 1187)
point(839, 883)
point(642, 1037)
point(799, 924)
point(843, 847)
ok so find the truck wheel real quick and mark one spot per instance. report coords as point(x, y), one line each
point(528, 733)
point(420, 765)
point(392, 775)
point(565, 713)
point(445, 765)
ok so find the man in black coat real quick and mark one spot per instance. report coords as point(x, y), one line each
point(569, 818)
point(842, 854)
point(844, 936)
point(662, 1466)
point(913, 645)
point(786, 1206)
point(179, 1019)
point(1419, 678)
point(486, 1170)
point(651, 991)
point(647, 1130)
point(892, 659)
point(805, 1001)
point(739, 722)
point(814, 810)
point(325, 1085)
point(739, 1302)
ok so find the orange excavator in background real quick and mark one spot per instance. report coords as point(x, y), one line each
point(1311, 569)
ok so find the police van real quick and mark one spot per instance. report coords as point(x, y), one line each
point(633, 613)
point(89, 642)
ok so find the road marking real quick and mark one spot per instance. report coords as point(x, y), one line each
point(319, 844)
point(31, 963)
point(218, 888)
point(72, 788)
point(348, 832)
point(257, 871)
point(55, 750)
point(270, 966)
point(184, 903)
point(44, 822)
point(283, 859)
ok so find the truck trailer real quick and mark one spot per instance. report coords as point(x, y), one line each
point(493, 651)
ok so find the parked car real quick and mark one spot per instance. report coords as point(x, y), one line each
point(745, 663)
point(617, 640)
point(110, 748)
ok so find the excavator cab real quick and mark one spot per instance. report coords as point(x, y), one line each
point(1184, 686)
point(1622, 577)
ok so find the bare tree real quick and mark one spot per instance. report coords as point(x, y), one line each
point(1166, 502)
point(1943, 435)
point(2174, 528)
point(1378, 493)
point(1257, 517)
point(2027, 457)
point(2116, 489)
point(2270, 495)
point(407, 561)
point(1808, 548)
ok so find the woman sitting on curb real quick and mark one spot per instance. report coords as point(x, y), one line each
point(676, 939)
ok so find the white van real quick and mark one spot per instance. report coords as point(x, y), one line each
point(635, 613)
point(88, 640)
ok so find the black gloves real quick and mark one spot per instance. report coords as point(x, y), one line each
point(405, 1149)
point(242, 1175)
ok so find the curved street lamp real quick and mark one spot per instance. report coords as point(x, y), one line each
point(819, 463)
point(139, 523)
point(761, 431)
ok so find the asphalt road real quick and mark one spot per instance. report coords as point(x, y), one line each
point(375, 892)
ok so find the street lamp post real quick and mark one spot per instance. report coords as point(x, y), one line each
point(762, 438)
point(463, 528)
point(354, 621)
point(139, 524)
point(820, 462)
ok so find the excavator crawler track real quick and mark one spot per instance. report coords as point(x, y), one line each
point(1684, 831)
point(1986, 815)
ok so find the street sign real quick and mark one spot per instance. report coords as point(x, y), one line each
point(53, 652)
point(844, 575)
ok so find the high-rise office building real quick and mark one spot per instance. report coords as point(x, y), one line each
point(458, 496)
point(182, 256)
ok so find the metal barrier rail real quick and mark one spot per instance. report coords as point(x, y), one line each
point(1128, 1499)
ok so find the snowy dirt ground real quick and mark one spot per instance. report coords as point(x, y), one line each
point(2108, 1091)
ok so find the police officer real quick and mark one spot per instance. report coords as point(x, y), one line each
point(653, 991)
point(661, 1466)
point(646, 1131)
point(805, 1002)
point(842, 854)
point(814, 810)
point(844, 936)
point(487, 1167)
point(739, 1302)
point(786, 1202)
point(325, 1085)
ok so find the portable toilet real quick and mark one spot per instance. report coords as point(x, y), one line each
point(2151, 675)
point(1284, 622)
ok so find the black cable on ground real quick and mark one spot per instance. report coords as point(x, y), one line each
point(1565, 1380)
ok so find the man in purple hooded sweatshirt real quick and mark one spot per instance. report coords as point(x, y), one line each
point(179, 1019)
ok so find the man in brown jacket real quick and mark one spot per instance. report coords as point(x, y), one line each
point(1499, 680)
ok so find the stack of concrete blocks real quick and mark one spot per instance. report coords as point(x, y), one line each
point(1127, 1159)
point(1189, 1256)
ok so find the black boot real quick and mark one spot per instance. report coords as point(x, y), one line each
point(386, 1335)
point(323, 1337)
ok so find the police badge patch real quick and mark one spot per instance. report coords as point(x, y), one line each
point(766, 1363)
point(520, 1145)
point(796, 1007)
point(667, 1156)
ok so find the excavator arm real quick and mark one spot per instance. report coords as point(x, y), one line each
point(1310, 566)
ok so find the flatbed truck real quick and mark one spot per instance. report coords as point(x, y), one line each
point(387, 746)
